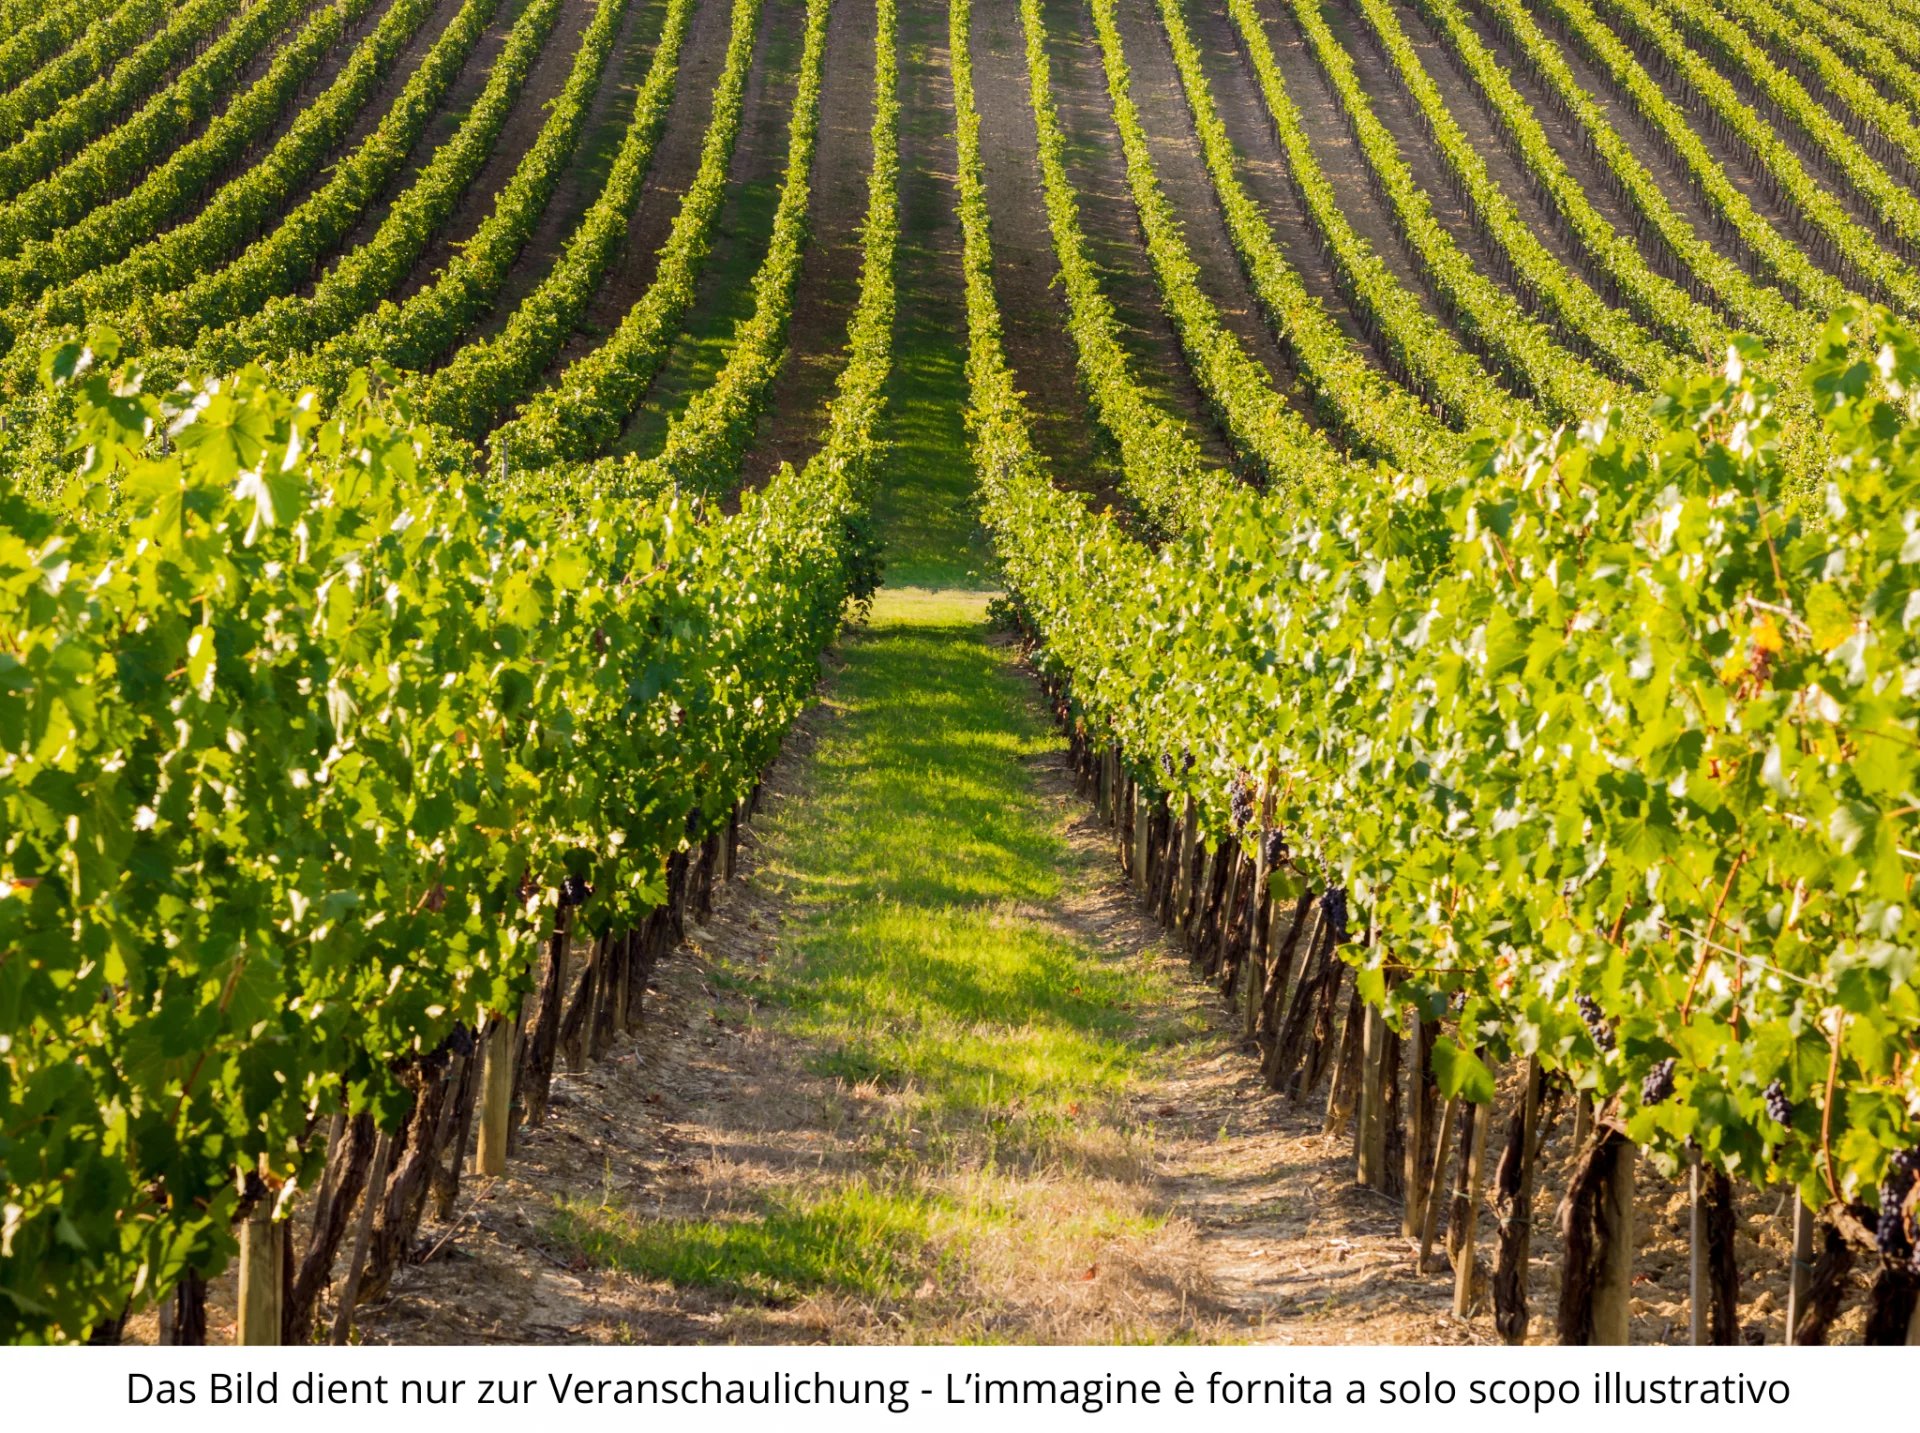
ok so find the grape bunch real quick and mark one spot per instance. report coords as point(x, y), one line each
point(1596, 1022)
point(574, 891)
point(1657, 1083)
point(1276, 851)
point(1333, 910)
point(1779, 1107)
point(1890, 1230)
point(1241, 802)
point(1166, 765)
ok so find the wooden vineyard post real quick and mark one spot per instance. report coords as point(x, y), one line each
point(370, 1200)
point(1343, 1090)
point(1469, 1230)
point(574, 1025)
point(1696, 1252)
point(1142, 820)
point(263, 1266)
point(1436, 1182)
point(1183, 873)
point(1596, 1216)
point(1613, 1289)
point(1259, 917)
point(1514, 1199)
point(496, 1096)
point(1802, 1267)
point(1413, 1213)
point(1371, 1163)
point(543, 1024)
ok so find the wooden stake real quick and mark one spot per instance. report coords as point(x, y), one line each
point(1802, 1267)
point(371, 1198)
point(1413, 1210)
point(543, 1023)
point(1696, 1253)
point(1513, 1198)
point(263, 1265)
point(496, 1096)
point(1469, 1231)
point(1371, 1166)
point(1613, 1283)
point(1183, 873)
point(1436, 1182)
point(1142, 819)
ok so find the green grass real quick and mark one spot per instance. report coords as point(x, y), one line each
point(920, 871)
point(925, 957)
point(855, 1240)
point(925, 506)
point(927, 960)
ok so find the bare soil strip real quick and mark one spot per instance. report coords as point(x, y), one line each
point(607, 119)
point(1026, 274)
point(1182, 171)
point(1334, 145)
point(1568, 140)
point(1395, 110)
point(1733, 157)
point(523, 126)
point(1263, 167)
point(1096, 168)
point(829, 282)
point(1469, 109)
point(452, 113)
point(742, 231)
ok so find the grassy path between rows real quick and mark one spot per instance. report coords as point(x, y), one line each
point(928, 1073)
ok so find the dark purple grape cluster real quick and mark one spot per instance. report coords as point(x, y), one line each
point(574, 891)
point(1276, 850)
point(1890, 1230)
point(1779, 1107)
point(1186, 763)
point(1166, 765)
point(1596, 1022)
point(1241, 801)
point(1657, 1083)
point(1459, 1002)
point(1333, 910)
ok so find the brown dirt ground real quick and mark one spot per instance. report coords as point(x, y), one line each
point(1730, 156)
point(829, 280)
point(1594, 177)
point(580, 185)
point(676, 158)
point(1464, 102)
point(1262, 166)
point(544, 83)
point(1096, 168)
point(453, 109)
point(1182, 171)
point(1026, 274)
